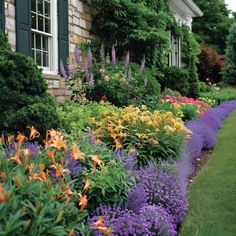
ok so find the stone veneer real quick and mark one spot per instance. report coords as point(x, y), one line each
point(79, 26)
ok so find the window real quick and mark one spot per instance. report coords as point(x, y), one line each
point(43, 27)
point(175, 54)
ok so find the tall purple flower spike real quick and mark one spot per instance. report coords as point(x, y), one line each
point(90, 57)
point(113, 55)
point(86, 70)
point(142, 66)
point(77, 53)
point(127, 58)
point(62, 69)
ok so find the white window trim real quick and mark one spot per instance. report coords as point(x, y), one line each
point(53, 42)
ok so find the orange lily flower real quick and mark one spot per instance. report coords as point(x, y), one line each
point(71, 233)
point(99, 222)
point(83, 201)
point(16, 158)
point(76, 153)
point(59, 169)
point(96, 160)
point(10, 138)
point(33, 132)
point(59, 143)
point(20, 138)
point(31, 167)
point(105, 230)
point(42, 175)
point(2, 138)
point(51, 155)
point(86, 186)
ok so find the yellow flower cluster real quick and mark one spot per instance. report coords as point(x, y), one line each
point(134, 126)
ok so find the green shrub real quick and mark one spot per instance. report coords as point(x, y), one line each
point(76, 116)
point(176, 79)
point(25, 101)
point(122, 86)
point(189, 112)
point(221, 95)
point(203, 87)
point(4, 45)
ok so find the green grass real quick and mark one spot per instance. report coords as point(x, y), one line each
point(212, 195)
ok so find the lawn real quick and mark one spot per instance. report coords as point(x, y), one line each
point(211, 196)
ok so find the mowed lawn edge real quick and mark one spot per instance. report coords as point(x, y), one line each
point(212, 195)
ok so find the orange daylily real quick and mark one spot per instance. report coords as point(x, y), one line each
point(33, 132)
point(83, 201)
point(76, 153)
point(2, 138)
point(96, 160)
point(42, 174)
point(18, 181)
point(59, 169)
point(59, 143)
point(86, 186)
point(21, 138)
point(51, 155)
point(71, 233)
point(16, 157)
point(1, 193)
point(10, 138)
point(105, 230)
point(99, 222)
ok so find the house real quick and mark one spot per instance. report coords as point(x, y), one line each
point(48, 30)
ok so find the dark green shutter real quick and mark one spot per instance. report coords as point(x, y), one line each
point(2, 15)
point(23, 27)
point(63, 31)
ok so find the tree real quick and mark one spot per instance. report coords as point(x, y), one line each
point(213, 28)
point(229, 72)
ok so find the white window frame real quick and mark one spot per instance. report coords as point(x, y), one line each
point(53, 42)
point(174, 58)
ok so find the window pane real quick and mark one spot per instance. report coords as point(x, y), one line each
point(40, 23)
point(40, 7)
point(38, 41)
point(47, 9)
point(33, 22)
point(45, 59)
point(38, 58)
point(33, 5)
point(47, 25)
point(33, 43)
point(45, 43)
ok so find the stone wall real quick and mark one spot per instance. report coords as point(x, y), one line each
point(80, 22)
point(10, 22)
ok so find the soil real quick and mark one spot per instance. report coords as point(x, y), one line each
point(200, 162)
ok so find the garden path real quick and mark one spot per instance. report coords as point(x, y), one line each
point(212, 195)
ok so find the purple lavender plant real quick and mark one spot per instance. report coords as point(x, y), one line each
point(137, 198)
point(34, 149)
point(91, 79)
point(113, 55)
point(163, 190)
point(127, 58)
point(129, 74)
point(90, 57)
point(71, 70)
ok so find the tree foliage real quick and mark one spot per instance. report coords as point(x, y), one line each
point(213, 27)
point(229, 73)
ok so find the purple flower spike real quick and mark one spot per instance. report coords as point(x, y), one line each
point(86, 71)
point(77, 53)
point(71, 70)
point(127, 58)
point(113, 55)
point(62, 69)
point(142, 66)
point(91, 79)
point(90, 57)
